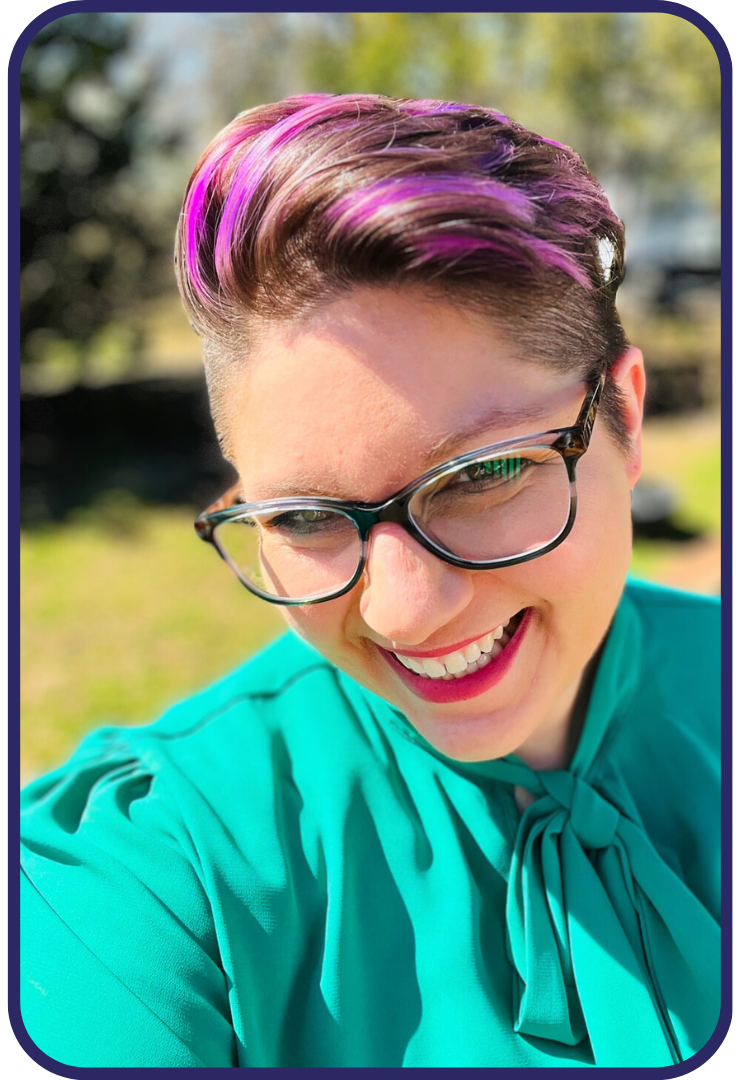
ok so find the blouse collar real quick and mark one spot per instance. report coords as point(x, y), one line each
point(614, 685)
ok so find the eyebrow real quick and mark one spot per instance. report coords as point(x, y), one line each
point(294, 487)
point(495, 416)
point(298, 486)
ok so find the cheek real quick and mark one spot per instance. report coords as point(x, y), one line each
point(587, 571)
point(591, 566)
point(602, 529)
point(321, 625)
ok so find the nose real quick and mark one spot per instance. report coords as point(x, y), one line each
point(408, 592)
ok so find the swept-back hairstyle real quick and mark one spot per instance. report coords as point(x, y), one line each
point(295, 203)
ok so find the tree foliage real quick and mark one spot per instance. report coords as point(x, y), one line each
point(636, 94)
point(87, 248)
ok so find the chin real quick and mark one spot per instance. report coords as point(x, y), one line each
point(481, 738)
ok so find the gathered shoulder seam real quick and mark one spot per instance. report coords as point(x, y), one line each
point(246, 695)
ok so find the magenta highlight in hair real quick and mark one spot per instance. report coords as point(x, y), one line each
point(456, 177)
point(295, 203)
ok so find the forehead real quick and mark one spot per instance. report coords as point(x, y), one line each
point(355, 400)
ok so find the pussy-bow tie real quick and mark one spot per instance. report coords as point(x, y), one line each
point(606, 940)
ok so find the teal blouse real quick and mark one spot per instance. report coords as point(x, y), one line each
point(282, 872)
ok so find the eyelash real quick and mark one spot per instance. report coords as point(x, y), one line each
point(290, 520)
point(515, 467)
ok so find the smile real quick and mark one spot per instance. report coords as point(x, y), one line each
point(466, 671)
point(465, 661)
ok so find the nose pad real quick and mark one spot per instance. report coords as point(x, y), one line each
point(408, 593)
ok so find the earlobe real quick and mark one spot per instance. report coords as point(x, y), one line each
point(629, 376)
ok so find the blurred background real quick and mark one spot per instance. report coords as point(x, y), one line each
point(124, 611)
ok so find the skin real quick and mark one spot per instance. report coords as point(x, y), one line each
point(350, 402)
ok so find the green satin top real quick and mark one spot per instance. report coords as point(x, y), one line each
point(282, 872)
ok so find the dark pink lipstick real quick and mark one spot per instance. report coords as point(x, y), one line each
point(443, 691)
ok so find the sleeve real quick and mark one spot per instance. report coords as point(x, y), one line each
point(120, 964)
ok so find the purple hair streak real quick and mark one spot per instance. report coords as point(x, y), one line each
point(297, 202)
point(427, 185)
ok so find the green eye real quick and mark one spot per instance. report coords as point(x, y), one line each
point(501, 468)
point(300, 521)
point(307, 521)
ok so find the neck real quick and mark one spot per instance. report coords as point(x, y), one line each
point(553, 744)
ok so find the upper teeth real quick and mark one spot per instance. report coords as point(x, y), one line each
point(457, 662)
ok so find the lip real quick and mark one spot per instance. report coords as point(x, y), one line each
point(444, 691)
point(446, 649)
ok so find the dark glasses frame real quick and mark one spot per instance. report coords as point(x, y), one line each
point(570, 442)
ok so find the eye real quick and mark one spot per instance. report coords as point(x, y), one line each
point(300, 520)
point(311, 515)
point(497, 469)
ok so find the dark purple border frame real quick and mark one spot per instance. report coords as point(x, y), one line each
point(725, 63)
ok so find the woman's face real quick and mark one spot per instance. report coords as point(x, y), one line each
point(353, 402)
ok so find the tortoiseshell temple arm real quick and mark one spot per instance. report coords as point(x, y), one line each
point(589, 411)
point(232, 497)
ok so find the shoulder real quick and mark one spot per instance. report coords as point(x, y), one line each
point(652, 597)
point(670, 724)
point(281, 672)
point(667, 745)
point(680, 634)
point(134, 851)
point(204, 783)
point(677, 649)
point(205, 750)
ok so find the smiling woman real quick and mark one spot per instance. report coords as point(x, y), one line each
point(465, 813)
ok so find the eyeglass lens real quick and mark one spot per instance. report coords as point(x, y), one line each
point(296, 554)
point(494, 508)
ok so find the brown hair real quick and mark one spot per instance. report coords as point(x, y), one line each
point(297, 202)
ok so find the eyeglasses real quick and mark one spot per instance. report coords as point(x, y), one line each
point(497, 506)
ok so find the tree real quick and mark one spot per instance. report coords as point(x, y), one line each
point(88, 252)
point(637, 94)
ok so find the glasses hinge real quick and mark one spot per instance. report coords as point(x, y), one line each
point(567, 442)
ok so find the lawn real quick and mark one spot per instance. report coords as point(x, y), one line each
point(685, 454)
point(124, 611)
point(117, 626)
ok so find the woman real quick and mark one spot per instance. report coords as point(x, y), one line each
point(464, 814)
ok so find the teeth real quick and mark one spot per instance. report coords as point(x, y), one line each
point(433, 667)
point(461, 662)
point(472, 652)
point(456, 662)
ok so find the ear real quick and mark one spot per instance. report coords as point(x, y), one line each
point(628, 375)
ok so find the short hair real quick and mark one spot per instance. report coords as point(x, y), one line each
point(293, 204)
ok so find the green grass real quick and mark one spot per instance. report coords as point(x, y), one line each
point(118, 626)
point(124, 611)
point(686, 453)
point(651, 558)
point(688, 458)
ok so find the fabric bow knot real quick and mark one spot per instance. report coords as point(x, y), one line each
point(592, 818)
point(604, 937)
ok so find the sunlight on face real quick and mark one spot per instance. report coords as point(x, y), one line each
point(360, 399)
